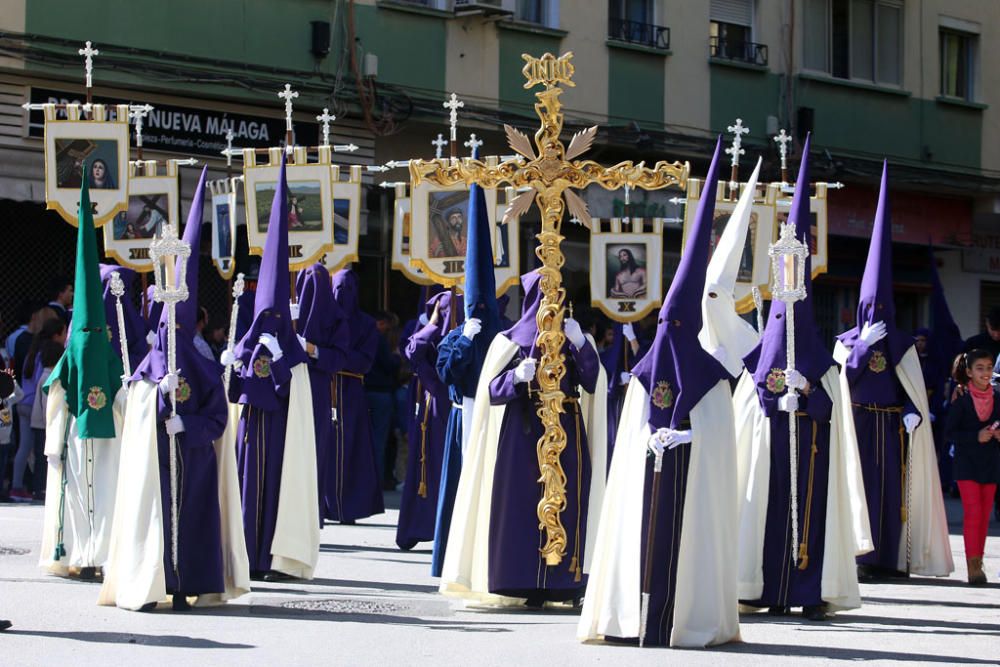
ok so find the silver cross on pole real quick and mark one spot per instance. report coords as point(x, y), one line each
point(288, 95)
point(88, 53)
point(453, 105)
point(326, 118)
point(439, 145)
point(473, 144)
point(782, 139)
point(229, 149)
point(735, 151)
point(118, 290)
point(138, 113)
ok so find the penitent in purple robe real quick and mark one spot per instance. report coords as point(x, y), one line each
point(135, 326)
point(325, 329)
point(878, 397)
point(352, 488)
point(517, 568)
point(201, 405)
point(418, 505)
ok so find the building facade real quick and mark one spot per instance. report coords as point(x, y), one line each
point(912, 82)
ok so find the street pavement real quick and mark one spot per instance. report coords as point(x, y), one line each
point(372, 604)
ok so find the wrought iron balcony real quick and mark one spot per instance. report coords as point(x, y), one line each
point(744, 52)
point(646, 34)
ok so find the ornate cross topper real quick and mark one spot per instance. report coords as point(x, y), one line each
point(453, 105)
point(326, 118)
point(229, 148)
point(138, 113)
point(782, 139)
point(548, 174)
point(88, 53)
point(736, 150)
point(439, 145)
point(472, 144)
point(288, 95)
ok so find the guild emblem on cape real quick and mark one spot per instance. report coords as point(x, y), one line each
point(184, 390)
point(775, 381)
point(262, 366)
point(663, 395)
point(96, 398)
point(5, 417)
point(877, 363)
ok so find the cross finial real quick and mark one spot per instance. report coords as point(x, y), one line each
point(782, 139)
point(138, 113)
point(326, 118)
point(229, 147)
point(473, 144)
point(453, 105)
point(439, 145)
point(735, 151)
point(88, 54)
point(288, 95)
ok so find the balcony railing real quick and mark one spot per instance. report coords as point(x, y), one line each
point(646, 34)
point(744, 52)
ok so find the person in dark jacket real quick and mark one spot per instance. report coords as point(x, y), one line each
point(974, 426)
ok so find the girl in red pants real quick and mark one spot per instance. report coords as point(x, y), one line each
point(974, 426)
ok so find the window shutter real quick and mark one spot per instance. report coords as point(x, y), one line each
point(739, 12)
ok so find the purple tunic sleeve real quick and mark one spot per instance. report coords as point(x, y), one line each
point(587, 366)
point(857, 362)
point(503, 389)
point(819, 405)
point(360, 359)
point(422, 354)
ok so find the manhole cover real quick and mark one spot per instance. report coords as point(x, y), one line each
point(379, 607)
point(12, 551)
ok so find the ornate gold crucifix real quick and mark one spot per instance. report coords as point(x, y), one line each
point(550, 174)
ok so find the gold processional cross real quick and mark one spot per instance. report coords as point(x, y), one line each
point(550, 175)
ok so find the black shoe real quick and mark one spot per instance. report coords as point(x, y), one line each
point(257, 575)
point(274, 575)
point(866, 573)
point(348, 522)
point(535, 602)
point(4, 625)
point(815, 612)
point(88, 573)
point(778, 610)
point(180, 603)
point(149, 606)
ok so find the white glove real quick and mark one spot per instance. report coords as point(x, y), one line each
point(574, 333)
point(788, 403)
point(169, 383)
point(873, 333)
point(294, 309)
point(422, 320)
point(151, 338)
point(227, 357)
point(624, 377)
point(911, 421)
point(628, 331)
point(720, 355)
point(174, 425)
point(271, 343)
point(795, 379)
point(302, 341)
point(658, 440)
point(472, 327)
point(525, 371)
point(675, 438)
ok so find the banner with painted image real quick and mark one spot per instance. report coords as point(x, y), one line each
point(439, 230)
point(101, 146)
point(401, 226)
point(323, 211)
point(225, 213)
point(818, 229)
point(153, 201)
point(626, 271)
point(755, 267)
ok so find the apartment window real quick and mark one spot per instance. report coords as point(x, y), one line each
point(541, 12)
point(958, 64)
point(731, 32)
point(855, 39)
point(632, 21)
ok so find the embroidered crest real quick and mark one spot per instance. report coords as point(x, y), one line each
point(183, 390)
point(6, 418)
point(877, 363)
point(775, 381)
point(262, 366)
point(663, 395)
point(96, 398)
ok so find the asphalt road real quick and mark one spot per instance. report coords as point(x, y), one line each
point(372, 604)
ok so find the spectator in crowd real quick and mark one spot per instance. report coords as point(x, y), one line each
point(10, 395)
point(61, 295)
point(989, 340)
point(380, 388)
point(52, 330)
point(200, 344)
